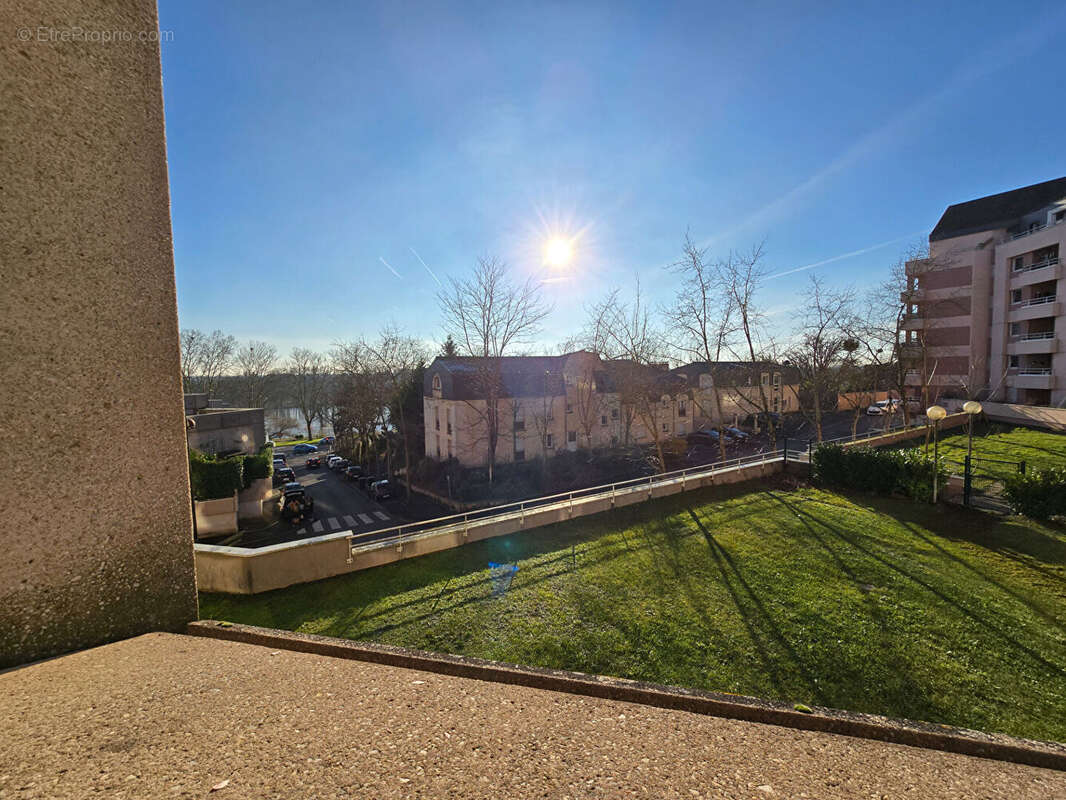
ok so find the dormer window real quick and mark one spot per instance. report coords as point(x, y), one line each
point(436, 386)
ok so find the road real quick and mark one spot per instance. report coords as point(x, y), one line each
point(339, 506)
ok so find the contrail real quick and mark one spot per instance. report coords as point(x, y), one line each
point(387, 264)
point(424, 264)
point(842, 256)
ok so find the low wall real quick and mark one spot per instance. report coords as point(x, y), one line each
point(236, 570)
point(1034, 416)
point(216, 517)
point(250, 501)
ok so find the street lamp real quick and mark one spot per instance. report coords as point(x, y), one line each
point(973, 408)
point(936, 413)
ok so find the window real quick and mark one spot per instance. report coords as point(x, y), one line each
point(1013, 362)
point(614, 441)
point(682, 409)
point(1016, 296)
point(548, 441)
point(519, 424)
point(1060, 215)
point(666, 427)
point(666, 401)
point(436, 413)
point(1015, 329)
point(520, 450)
point(436, 385)
point(777, 379)
point(1019, 262)
point(614, 413)
point(571, 436)
point(765, 379)
point(603, 419)
point(777, 404)
point(438, 447)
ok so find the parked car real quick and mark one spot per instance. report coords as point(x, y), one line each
point(304, 448)
point(381, 490)
point(326, 440)
point(280, 457)
point(341, 465)
point(312, 462)
point(297, 505)
point(765, 418)
point(366, 483)
point(284, 475)
point(704, 436)
point(353, 471)
point(334, 461)
point(737, 434)
point(882, 407)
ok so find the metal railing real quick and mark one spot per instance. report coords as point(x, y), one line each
point(1032, 337)
point(1026, 232)
point(1034, 371)
point(1037, 301)
point(1047, 262)
point(398, 534)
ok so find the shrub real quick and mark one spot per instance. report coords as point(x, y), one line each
point(212, 479)
point(906, 472)
point(261, 465)
point(1040, 494)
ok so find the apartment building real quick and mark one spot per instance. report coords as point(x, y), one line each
point(547, 404)
point(983, 313)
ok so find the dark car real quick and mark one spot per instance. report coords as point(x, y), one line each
point(284, 475)
point(365, 482)
point(353, 472)
point(341, 465)
point(280, 457)
point(297, 505)
point(327, 440)
point(305, 448)
point(381, 490)
point(312, 462)
point(737, 433)
point(704, 436)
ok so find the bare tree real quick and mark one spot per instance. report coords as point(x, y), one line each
point(488, 315)
point(356, 399)
point(310, 371)
point(822, 345)
point(192, 342)
point(395, 358)
point(205, 358)
point(256, 362)
point(622, 332)
point(701, 321)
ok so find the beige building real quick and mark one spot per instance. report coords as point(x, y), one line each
point(547, 404)
point(983, 314)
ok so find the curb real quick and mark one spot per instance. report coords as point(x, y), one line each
point(1050, 755)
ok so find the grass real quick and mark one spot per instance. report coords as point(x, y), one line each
point(288, 442)
point(995, 444)
point(807, 596)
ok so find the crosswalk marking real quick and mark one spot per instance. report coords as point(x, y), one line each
point(332, 523)
point(317, 526)
point(349, 520)
point(381, 515)
point(365, 518)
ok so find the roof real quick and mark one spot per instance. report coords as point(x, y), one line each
point(521, 376)
point(732, 371)
point(997, 210)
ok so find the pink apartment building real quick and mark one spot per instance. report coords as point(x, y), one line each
point(984, 315)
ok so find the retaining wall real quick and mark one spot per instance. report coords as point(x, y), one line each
point(1035, 416)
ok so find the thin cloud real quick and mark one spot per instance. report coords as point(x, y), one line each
point(424, 264)
point(843, 256)
point(387, 264)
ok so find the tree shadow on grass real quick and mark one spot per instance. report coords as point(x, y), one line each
point(754, 615)
point(1054, 669)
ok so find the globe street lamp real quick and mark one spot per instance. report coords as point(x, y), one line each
point(936, 413)
point(972, 408)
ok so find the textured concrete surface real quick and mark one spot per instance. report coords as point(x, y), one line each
point(173, 716)
point(96, 542)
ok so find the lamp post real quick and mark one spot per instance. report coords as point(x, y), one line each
point(973, 408)
point(936, 413)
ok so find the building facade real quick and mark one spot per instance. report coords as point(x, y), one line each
point(983, 318)
point(547, 404)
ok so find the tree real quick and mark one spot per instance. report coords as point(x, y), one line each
point(488, 315)
point(310, 371)
point(622, 332)
point(822, 345)
point(701, 321)
point(256, 361)
point(397, 359)
point(205, 358)
point(741, 276)
point(447, 350)
point(356, 400)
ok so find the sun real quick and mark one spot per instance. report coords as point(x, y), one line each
point(558, 252)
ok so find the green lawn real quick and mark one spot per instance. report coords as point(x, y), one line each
point(994, 444)
point(855, 602)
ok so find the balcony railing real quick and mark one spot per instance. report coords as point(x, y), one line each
point(1036, 301)
point(1026, 232)
point(1034, 371)
point(1032, 337)
point(1047, 262)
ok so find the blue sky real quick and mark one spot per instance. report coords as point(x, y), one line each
point(320, 153)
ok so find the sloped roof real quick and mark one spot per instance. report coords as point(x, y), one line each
point(997, 210)
point(733, 372)
point(521, 376)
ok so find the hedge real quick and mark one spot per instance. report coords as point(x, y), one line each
point(212, 479)
point(260, 465)
point(907, 472)
point(1040, 494)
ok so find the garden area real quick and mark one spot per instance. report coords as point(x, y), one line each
point(834, 598)
point(997, 449)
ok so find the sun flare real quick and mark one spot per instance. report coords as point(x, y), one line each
point(558, 252)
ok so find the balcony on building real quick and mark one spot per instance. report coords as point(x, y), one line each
point(1032, 337)
point(1031, 371)
point(1038, 266)
point(1035, 301)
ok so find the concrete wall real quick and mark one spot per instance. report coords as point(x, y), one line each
point(98, 546)
point(232, 429)
point(1034, 416)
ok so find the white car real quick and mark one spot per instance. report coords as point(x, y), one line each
point(883, 407)
point(334, 461)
